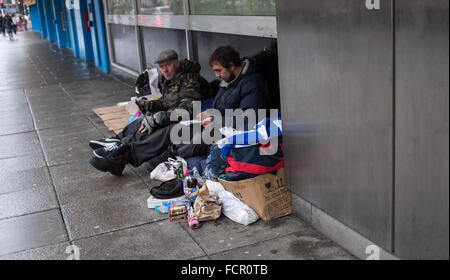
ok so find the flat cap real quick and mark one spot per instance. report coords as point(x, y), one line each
point(166, 55)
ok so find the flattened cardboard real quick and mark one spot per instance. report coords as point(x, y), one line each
point(114, 117)
point(266, 194)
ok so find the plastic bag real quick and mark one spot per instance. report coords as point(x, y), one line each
point(206, 208)
point(198, 177)
point(236, 210)
point(176, 166)
point(214, 187)
point(153, 78)
point(147, 83)
point(163, 172)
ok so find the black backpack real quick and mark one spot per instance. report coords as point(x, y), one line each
point(266, 63)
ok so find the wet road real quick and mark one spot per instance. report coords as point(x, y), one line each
point(51, 198)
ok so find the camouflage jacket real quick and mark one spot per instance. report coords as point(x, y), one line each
point(178, 93)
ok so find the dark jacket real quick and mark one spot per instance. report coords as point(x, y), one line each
point(7, 22)
point(247, 91)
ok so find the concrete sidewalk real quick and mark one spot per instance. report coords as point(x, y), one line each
point(51, 198)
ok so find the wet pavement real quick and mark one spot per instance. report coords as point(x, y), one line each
point(51, 198)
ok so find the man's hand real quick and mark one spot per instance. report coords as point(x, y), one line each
point(147, 125)
point(145, 105)
point(142, 129)
point(205, 119)
point(141, 102)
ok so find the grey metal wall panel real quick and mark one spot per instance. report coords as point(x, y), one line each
point(155, 40)
point(124, 43)
point(422, 128)
point(335, 59)
point(204, 43)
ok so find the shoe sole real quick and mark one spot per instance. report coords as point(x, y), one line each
point(97, 155)
point(94, 162)
point(94, 144)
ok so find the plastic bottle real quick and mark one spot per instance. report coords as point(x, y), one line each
point(165, 206)
point(192, 218)
point(190, 184)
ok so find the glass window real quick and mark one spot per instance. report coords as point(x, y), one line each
point(160, 7)
point(125, 45)
point(206, 42)
point(167, 39)
point(120, 7)
point(233, 7)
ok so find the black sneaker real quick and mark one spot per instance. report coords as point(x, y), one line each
point(104, 151)
point(100, 143)
point(154, 162)
point(105, 165)
point(114, 162)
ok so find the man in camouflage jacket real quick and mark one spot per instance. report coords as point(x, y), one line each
point(177, 93)
point(149, 136)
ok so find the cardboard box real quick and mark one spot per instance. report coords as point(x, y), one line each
point(266, 194)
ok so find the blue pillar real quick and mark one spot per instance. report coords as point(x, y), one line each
point(81, 16)
point(34, 17)
point(49, 20)
point(99, 37)
point(42, 20)
point(60, 22)
point(72, 31)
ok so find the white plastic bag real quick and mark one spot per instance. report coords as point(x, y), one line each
point(163, 172)
point(183, 165)
point(214, 187)
point(153, 78)
point(236, 210)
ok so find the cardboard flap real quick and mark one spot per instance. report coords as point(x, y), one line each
point(266, 194)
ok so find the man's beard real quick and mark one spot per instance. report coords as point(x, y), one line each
point(230, 78)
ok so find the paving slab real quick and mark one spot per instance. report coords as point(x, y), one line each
point(224, 234)
point(98, 86)
point(51, 252)
point(95, 202)
point(31, 231)
point(69, 143)
point(61, 119)
point(13, 122)
point(11, 92)
point(27, 201)
point(304, 245)
point(22, 173)
point(161, 240)
point(53, 98)
point(19, 145)
point(43, 90)
point(13, 101)
point(54, 106)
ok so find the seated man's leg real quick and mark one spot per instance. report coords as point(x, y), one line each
point(151, 146)
point(215, 164)
point(131, 133)
point(128, 135)
point(191, 150)
point(183, 150)
point(134, 153)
